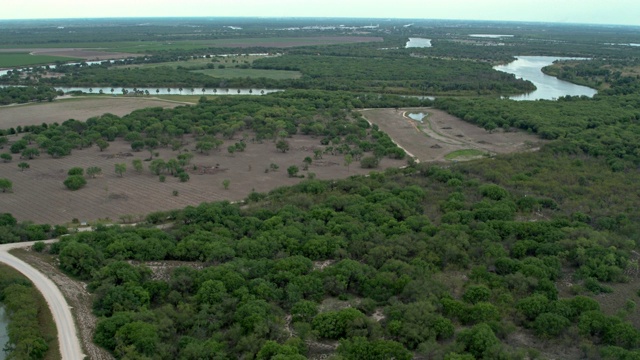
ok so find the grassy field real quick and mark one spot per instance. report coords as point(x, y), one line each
point(8, 60)
point(230, 73)
point(198, 64)
point(145, 46)
point(45, 318)
point(464, 154)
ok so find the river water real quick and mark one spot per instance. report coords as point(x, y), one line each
point(548, 87)
point(4, 337)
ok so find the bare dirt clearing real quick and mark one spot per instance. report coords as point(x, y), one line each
point(87, 54)
point(40, 196)
point(75, 108)
point(440, 134)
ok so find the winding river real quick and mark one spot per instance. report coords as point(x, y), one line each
point(548, 87)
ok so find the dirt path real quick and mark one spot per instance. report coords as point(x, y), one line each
point(67, 334)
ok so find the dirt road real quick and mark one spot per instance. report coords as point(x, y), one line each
point(67, 335)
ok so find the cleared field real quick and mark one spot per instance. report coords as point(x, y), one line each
point(251, 73)
point(40, 196)
point(75, 108)
point(444, 137)
point(145, 46)
point(9, 60)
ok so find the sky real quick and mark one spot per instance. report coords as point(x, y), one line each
point(622, 12)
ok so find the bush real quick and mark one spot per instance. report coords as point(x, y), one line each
point(75, 171)
point(369, 162)
point(550, 325)
point(75, 182)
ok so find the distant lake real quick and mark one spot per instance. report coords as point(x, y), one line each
point(489, 36)
point(4, 337)
point(548, 87)
point(418, 43)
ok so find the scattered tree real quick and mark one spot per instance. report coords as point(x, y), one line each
point(282, 145)
point(23, 165)
point(293, 171)
point(102, 144)
point(6, 185)
point(226, 183)
point(94, 171)
point(75, 182)
point(120, 169)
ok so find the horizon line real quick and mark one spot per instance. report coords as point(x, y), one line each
point(316, 17)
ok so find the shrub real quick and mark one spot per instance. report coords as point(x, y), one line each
point(75, 182)
point(76, 171)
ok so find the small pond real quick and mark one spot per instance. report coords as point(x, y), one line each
point(490, 36)
point(418, 43)
point(419, 117)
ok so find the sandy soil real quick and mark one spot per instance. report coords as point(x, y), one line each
point(87, 54)
point(40, 196)
point(441, 134)
point(80, 108)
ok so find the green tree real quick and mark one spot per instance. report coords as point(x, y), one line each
point(282, 145)
point(369, 162)
point(5, 185)
point(102, 144)
point(75, 171)
point(75, 182)
point(225, 183)
point(30, 153)
point(23, 165)
point(94, 171)
point(293, 171)
point(348, 159)
point(137, 165)
point(6, 157)
point(79, 260)
point(120, 169)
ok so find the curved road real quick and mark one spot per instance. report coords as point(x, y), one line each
point(67, 334)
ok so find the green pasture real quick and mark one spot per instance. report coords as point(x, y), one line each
point(464, 154)
point(148, 46)
point(9, 60)
point(230, 73)
point(199, 63)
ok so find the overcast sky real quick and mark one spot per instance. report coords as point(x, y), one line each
point(625, 12)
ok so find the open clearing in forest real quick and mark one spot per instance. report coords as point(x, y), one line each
point(441, 136)
point(231, 73)
point(80, 108)
point(40, 196)
point(120, 49)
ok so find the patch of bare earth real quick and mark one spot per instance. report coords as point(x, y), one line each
point(39, 194)
point(77, 296)
point(74, 108)
point(440, 134)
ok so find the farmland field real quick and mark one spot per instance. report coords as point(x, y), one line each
point(40, 196)
point(231, 73)
point(445, 137)
point(8, 60)
point(145, 46)
point(74, 108)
